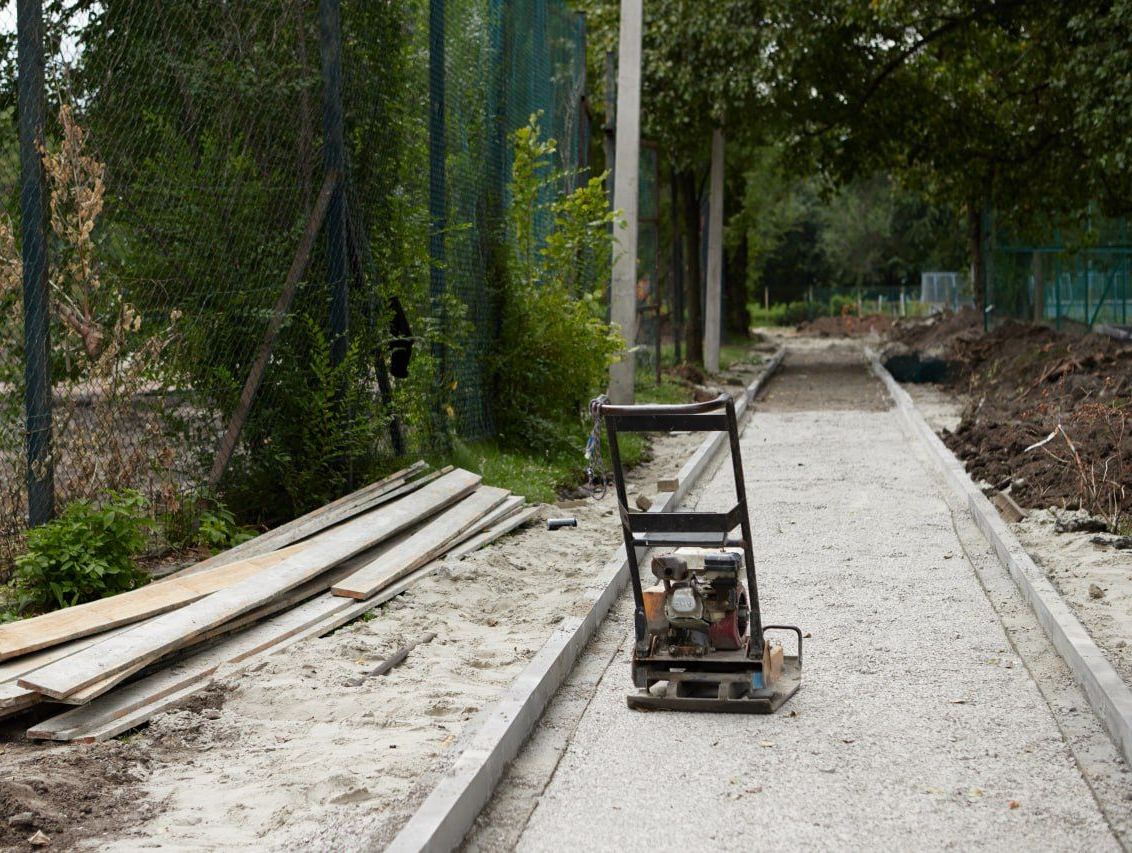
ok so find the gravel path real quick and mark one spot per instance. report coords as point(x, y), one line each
point(917, 725)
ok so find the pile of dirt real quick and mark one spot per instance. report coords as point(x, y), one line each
point(1050, 413)
point(69, 795)
point(847, 326)
point(934, 336)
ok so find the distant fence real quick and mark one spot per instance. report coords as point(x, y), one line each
point(1086, 284)
point(258, 239)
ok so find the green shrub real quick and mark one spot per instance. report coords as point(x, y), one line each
point(555, 347)
point(324, 430)
point(218, 529)
point(842, 304)
point(84, 554)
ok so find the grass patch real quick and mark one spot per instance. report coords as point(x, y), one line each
point(537, 476)
point(732, 354)
point(671, 390)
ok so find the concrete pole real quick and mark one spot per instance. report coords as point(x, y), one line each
point(712, 313)
point(623, 290)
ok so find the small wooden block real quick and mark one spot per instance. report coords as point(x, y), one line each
point(1007, 508)
point(668, 485)
point(772, 663)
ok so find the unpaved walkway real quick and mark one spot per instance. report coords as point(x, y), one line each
point(917, 726)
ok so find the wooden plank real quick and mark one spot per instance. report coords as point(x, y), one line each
point(12, 669)
point(174, 678)
point(179, 627)
point(506, 509)
point(110, 715)
point(311, 588)
point(491, 534)
point(422, 547)
point(71, 623)
point(15, 699)
point(12, 694)
point(315, 521)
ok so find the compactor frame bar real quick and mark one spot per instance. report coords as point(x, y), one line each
point(716, 415)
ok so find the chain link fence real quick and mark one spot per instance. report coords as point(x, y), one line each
point(255, 243)
point(1072, 281)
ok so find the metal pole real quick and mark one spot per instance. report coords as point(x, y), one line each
point(608, 129)
point(33, 227)
point(334, 156)
point(713, 312)
point(677, 275)
point(437, 151)
point(623, 289)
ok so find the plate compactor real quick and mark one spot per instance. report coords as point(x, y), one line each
point(701, 644)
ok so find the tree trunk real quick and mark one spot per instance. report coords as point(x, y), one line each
point(737, 320)
point(693, 304)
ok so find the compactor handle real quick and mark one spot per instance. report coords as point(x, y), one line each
point(605, 408)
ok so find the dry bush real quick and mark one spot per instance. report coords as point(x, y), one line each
point(108, 429)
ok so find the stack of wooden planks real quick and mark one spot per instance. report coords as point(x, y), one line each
point(121, 660)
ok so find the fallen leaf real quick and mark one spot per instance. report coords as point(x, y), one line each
point(1014, 804)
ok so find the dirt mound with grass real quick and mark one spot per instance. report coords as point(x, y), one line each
point(1050, 413)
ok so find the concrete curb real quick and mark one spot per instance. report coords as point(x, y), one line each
point(1109, 696)
point(446, 815)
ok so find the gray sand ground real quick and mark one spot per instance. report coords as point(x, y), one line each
point(918, 726)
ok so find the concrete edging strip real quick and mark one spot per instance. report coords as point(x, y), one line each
point(1109, 696)
point(446, 815)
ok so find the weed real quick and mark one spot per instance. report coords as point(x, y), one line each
point(218, 529)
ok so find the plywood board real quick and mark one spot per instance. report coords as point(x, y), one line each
point(179, 627)
point(423, 546)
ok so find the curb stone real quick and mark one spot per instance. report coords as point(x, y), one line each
point(1109, 696)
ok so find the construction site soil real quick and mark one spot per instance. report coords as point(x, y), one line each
point(847, 326)
point(1049, 413)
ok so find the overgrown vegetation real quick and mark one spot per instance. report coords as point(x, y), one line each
point(554, 347)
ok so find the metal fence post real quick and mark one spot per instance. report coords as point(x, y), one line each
point(677, 273)
point(33, 227)
point(437, 157)
point(334, 156)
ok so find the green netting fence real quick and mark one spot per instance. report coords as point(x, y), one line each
point(300, 198)
point(1071, 281)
